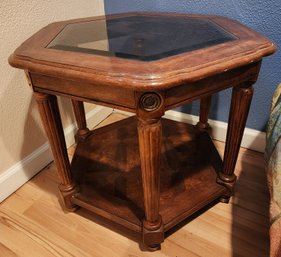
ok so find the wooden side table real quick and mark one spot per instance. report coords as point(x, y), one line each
point(144, 173)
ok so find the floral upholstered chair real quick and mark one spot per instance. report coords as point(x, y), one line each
point(273, 159)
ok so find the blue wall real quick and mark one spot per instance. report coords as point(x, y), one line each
point(263, 16)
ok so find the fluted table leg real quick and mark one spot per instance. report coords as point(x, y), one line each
point(239, 109)
point(49, 111)
point(150, 149)
point(80, 116)
point(205, 104)
point(150, 139)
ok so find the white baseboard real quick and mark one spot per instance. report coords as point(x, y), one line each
point(252, 139)
point(22, 171)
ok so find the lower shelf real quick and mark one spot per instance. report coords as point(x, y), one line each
point(106, 166)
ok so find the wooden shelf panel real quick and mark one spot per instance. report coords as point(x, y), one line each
point(106, 167)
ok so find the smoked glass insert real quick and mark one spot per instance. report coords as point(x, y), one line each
point(141, 37)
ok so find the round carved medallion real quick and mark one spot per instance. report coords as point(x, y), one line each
point(150, 101)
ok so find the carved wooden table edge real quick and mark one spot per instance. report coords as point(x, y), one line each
point(179, 171)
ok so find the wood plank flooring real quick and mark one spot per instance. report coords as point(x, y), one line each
point(32, 223)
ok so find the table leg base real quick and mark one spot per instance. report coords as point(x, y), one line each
point(82, 134)
point(153, 238)
point(225, 199)
point(153, 248)
point(66, 196)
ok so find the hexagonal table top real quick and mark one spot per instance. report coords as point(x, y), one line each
point(140, 50)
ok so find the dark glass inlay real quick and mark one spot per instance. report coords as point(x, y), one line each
point(143, 38)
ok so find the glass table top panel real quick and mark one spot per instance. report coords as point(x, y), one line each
point(143, 38)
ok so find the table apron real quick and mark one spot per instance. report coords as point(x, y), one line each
point(114, 97)
point(126, 99)
point(188, 92)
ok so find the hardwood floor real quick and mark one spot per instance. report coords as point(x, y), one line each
point(32, 222)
